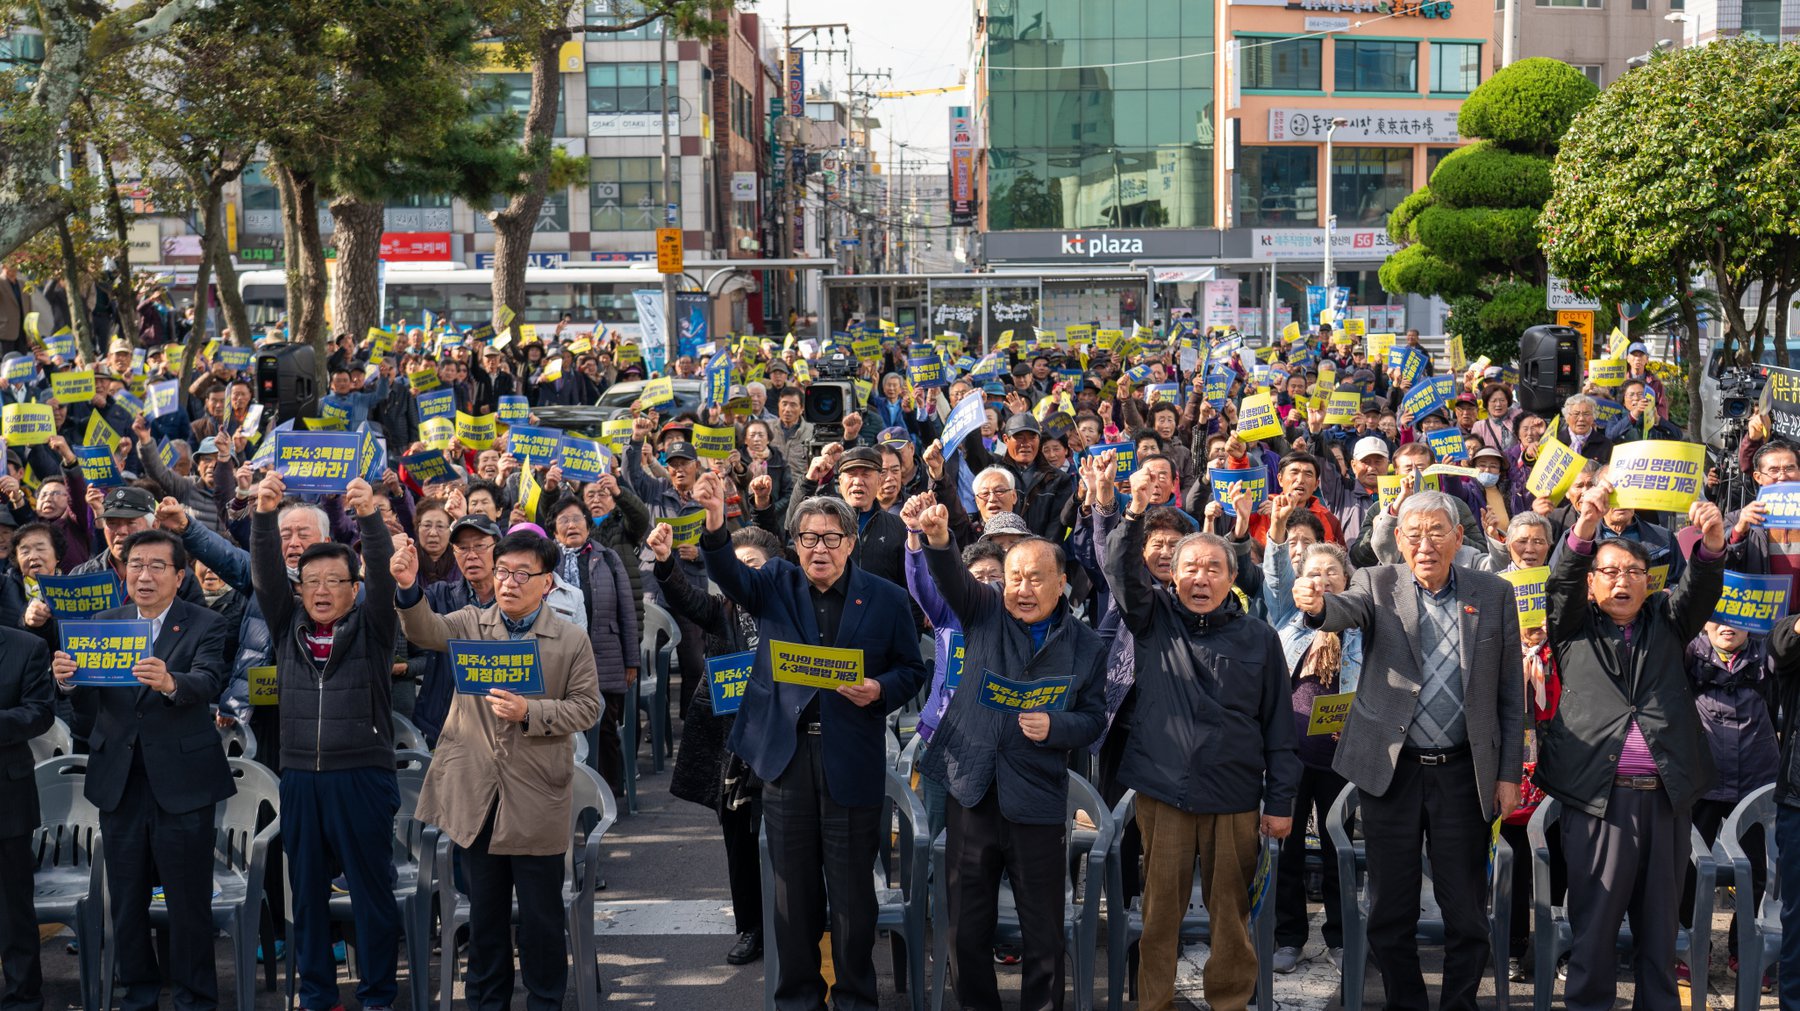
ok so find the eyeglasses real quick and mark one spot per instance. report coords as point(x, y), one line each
point(481, 547)
point(999, 492)
point(810, 540)
point(518, 578)
point(1436, 535)
point(156, 568)
point(332, 583)
point(1614, 573)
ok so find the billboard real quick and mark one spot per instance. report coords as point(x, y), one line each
point(962, 166)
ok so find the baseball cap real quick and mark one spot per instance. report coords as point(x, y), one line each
point(476, 522)
point(1486, 452)
point(119, 345)
point(1004, 524)
point(1021, 422)
point(861, 456)
point(778, 365)
point(893, 435)
point(127, 503)
point(680, 450)
point(1464, 398)
point(209, 446)
point(1368, 446)
point(1637, 347)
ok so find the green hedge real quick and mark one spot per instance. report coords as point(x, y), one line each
point(1486, 175)
point(1526, 106)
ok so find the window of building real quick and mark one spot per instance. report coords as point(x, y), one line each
point(262, 202)
point(1591, 71)
point(608, 12)
point(20, 49)
point(743, 111)
point(514, 94)
point(1762, 20)
point(1455, 67)
point(629, 88)
point(1280, 64)
point(1433, 155)
point(1368, 182)
point(625, 194)
point(1640, 5)
point(1277, 186)
point(1364, 65)
point(1593, 4)
point(553, 216)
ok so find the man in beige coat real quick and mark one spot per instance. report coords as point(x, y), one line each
point(499, 783)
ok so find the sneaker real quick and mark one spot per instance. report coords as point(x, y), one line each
point(1336, 957)
point(749, 948)
point(1006, 954)
point(1562, 968)
point(1515, 970)
point(1682, 973)
point(1287, 959)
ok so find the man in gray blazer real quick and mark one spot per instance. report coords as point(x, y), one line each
point(1433, 742)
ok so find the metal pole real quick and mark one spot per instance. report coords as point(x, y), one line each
point(1325, 277)
point(671, 218)
point(1509, 29)
point(1269, 308)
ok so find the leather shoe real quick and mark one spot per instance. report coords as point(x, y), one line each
point(1286, 959)
point(747, 949)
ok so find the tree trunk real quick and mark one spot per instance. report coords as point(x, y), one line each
point(1690, 351)
point(356, 289)
point(79, 319)
point(305, 264)
point(124, 293)
point(212, 239)
point(237, 317)
point(515, 223)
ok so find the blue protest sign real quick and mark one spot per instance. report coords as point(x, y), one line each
point(162, 398)
point(584, 459)
point(481, 665)
point(317, 462)
point(80, 596)
point(1428, 395)
point(105, 651)
point(513, 410)
point(1447, 445)
point(727, 676)
point(1753, 603)
point(429, 466)
point(436, 404)
point(968, 417)
point(1781, 504)
point(953, 662)
point(541, 446)
point(98, 466)
point(1009, 696)
point(715, 382)
point(1254, 479)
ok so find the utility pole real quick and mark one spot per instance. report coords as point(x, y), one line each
point(793, 34)
point(905, 252)
point(671, 216)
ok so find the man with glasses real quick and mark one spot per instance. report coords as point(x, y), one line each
point(334, 685)
point(823, 816)
point(472, 541)
point(1754, 547)
point(157, 774)
point(1640, 420)
point(1043, 490)
point(123, 512)
point(1616, 523)
point(1434, 743)
point(880, 546)
point(1629, 761)
point(499, 784)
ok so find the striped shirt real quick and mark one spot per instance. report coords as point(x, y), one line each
point(317, 639)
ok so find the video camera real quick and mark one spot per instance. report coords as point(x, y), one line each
point(830, 397)
point(1737, 393)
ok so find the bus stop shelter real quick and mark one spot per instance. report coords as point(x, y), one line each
point(981, 307)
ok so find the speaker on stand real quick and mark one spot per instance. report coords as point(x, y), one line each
point(1550, 368)
point(285, 382)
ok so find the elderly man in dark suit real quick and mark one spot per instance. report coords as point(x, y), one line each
point(1434, 740)
point(26, 710)
point(156, 772)
point(823, 816)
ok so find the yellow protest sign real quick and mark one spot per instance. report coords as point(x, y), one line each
point(504, 317)
point(1291, 333)
point(263, 691)
point(1343, 408)
point(1459, 359)
point(616, 433)
point(552, 370)
point(688, 527)
point(1659, 577)
point(100, 433)
point(424, 381)
point(824, 667)
point(437, 433)
point(27, 424)
point(31, 327)
point(1379, 343)
point(1529, 594)
point(1616, 343)
point(529, 490)
point(657, 392)
point(1556, 469)
point(1388, 487)
point(582, 345)
point(1660, 475)
point(476, 432)
point(1256, 418)
point(1329, 713)
point(1606, 372)
point(72, 387)
point(1355, 326)
point(714, 443)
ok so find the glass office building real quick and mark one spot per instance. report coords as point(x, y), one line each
point(1098, 116)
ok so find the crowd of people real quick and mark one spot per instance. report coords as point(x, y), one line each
point(1163, 560)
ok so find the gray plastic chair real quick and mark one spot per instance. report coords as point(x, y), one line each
point(407, 736)
point(1342, 821)
point(417, 761)
point(52, 743)
point(1552, 937)
point(71, 867)
point(1125, 920)
point(1081, 905)
point(239, 740)
point(581, 872)
point(581, 749)
point(657, 621)
point(415, 857)
point(900, 910)
point(1759, 929)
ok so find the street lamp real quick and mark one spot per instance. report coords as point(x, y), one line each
point(1330, 221)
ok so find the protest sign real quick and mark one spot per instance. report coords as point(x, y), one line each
point(1378, 345)
point(617, 433)
point(1050, 694)
point(1254, 479)
point(1753, 603)
point(1447, 444)
point(477, 432)
point(1781, 505)
point(332, 417)
point(727, 676)
point(440, 403)
point(237, 357)
point(1659, 475)
point(482, 665)
point(1555, 471)
point(715, 381)
point(514, 410)
point(583, 460)
point(540, 446)
point(424, 381)
point(688, 526)
point(809, 666)
point(953, 661)
point(27, 424)
point(20, 369)
point(1161, 392)
point(264, 686)
point(1459, 358)
point(969, 415)
point(925, 369)
point(866, 349)
point(105, 651)
point(1218, 387)
point(318, 462)
point(72, 597)
point(437, 433)
point(1124, 457)
point(530, 491)
point(1781, 402)
point(1606, 372)
point(1257, 419)
point(162, 398)
point(429, 466)
point(1329, 713)
point(98, 466)
point(1343, 408)
point(60, 344)
point(1388, 488)
point(1428, 395)
point(72, 387)
point(1529, 594)
point(657, 392)
point(1659, 577)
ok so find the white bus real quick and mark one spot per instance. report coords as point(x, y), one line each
point(464, 295)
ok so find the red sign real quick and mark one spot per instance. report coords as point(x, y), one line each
point(415, 247)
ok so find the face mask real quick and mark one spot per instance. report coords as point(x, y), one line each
point(1487, 480)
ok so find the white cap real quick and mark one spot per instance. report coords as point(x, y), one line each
point(1369, 445)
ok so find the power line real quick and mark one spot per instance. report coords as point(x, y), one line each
point(1196, 56)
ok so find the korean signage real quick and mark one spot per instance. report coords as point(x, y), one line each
point(1309, 244)
point(1559, 295)
point(415, 246)
point(962, 166)
point(743, 187)
point(796, 81)
point(541, 261)
point(1420, 126)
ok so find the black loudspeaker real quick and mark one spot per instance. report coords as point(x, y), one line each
point(285, 382)
point(1549, 368)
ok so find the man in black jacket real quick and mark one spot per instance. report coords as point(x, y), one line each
point(1211, 685)
point(25, 712)
point(1043, 490)
point(1784, 651)
point(1629, 761)
point(881, 540)
point(338, 790)
point(1005, 772)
